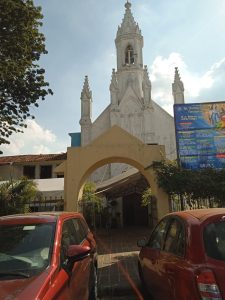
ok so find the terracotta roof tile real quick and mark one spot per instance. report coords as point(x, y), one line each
point(4, 160)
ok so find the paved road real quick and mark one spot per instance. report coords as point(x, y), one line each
point(117, 263)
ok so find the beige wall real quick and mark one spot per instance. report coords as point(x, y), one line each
point(116, 145)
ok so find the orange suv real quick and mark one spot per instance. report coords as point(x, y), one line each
point(46, 256)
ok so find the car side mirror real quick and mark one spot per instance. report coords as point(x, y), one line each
point(142, 242)
point(77, 252)
point(74, 253)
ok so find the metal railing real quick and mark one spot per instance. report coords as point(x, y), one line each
point(34, 205)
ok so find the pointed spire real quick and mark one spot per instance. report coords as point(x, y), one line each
point(146, 87)
point(146, 79)
point(114, 91)
point(177, 75)
point(114, 82)
point(86, 109)
point(178, 88)
point(86, 92)
point(129, 42)
point(127, 5)
point(86, 103)
point(128, 24)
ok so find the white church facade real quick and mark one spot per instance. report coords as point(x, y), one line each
point(131, 105)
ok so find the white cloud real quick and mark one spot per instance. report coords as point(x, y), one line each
point(198, 87)
point(41, 149)
point(34, 140)
point(34, 130)
point(161, 75)
point(208, 86)
point(221, 8)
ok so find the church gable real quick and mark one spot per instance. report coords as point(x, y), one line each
point(130, 103)
point(131, 113)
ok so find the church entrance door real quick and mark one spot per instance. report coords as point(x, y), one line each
point(133, 212)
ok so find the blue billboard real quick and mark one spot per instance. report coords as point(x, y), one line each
point(200, 134)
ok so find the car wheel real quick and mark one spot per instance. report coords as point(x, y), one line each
point(94, 288)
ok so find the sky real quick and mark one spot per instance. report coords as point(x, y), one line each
point(80, 36)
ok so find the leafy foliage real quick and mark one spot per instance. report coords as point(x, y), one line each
point(193, 188)
point(15, 194)
point(22, 81)
point(91, 203)
point(146, 197)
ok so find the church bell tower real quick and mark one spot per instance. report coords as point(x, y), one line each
point(129, 42)
point(130, 87)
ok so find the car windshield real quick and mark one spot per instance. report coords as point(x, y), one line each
point(214, 240)
point(25, 249)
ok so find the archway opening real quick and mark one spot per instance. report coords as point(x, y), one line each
point(121, 186)
point(114, 146)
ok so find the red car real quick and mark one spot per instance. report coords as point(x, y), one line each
point(46, 256)
point(184, 259)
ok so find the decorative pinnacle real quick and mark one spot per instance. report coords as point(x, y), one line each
point(177, 75)
point(86, 90)
point(128, 25)
point(127, 5)
point(86, 84)
point(178, 84)
point(114, 83)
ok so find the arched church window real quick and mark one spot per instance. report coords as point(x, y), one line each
point(129, 55)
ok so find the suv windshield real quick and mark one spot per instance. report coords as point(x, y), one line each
point(25, 249)
point(214, 240)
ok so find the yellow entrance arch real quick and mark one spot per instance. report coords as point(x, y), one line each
point(115, 145)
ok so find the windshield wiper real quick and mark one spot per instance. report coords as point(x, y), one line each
point(20, 274)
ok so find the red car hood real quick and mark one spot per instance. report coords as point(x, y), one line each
point(21, 289)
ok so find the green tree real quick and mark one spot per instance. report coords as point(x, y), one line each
point(219, 187)
point(196, 187)
point(22, 81)
point(146, 197)
point(91, 203)
point(15, 194)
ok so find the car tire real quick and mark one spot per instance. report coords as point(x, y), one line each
point(94, 289)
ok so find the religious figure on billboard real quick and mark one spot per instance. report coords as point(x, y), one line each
point(214, 115)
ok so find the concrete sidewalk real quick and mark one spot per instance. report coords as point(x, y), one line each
point(117, 263)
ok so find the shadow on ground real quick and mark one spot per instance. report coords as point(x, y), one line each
point(118, 276)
